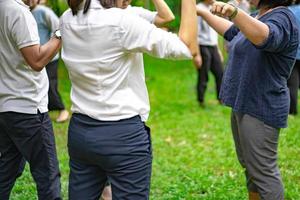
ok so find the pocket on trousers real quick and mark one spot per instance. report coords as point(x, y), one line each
point(148, 130)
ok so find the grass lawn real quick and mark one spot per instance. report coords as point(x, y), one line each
point(194, 156)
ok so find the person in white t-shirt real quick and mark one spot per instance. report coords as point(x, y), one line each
point(212, 59)
point(102, 50)
point(25, 127)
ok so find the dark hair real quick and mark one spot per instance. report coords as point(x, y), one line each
point(274, 3)
point(74, 5)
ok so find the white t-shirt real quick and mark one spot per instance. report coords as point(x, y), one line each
point(22, 89)
point(207, 36)
point(102, 52)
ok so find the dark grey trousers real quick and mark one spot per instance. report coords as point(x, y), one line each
point(115, 151)
point(211, 62)
point(256, 147)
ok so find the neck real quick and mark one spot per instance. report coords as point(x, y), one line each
point(263, 11)
point(32, 7)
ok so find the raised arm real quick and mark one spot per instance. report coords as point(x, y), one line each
point(254, 30)
point(164, 13)
point(188, 26)
point(37, 56)
point(220, 24)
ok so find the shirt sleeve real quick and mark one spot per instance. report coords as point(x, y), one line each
point(143, 13)
point(51, 20)
point(139, 36)
point(281, 33)
point(24, 30)
point(231, 33)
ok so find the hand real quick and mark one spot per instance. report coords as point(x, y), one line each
point(222, 9)
point(197, 61)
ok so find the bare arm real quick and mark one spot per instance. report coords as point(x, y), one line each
point(188, 26)
point(220, 24)
point(254, 30)
point(38, 56)
point(164, 13)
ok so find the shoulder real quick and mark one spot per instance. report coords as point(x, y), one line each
point(284, 18)
point(19, 10)
point(281, 15)
point(17, 7)
point(66, 15)
point(282, 12)
point(136, 9)
point(111, 16)
point(125, 18)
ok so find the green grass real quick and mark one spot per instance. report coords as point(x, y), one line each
point(194, 155)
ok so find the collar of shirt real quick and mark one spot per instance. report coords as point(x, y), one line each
point(21, 3)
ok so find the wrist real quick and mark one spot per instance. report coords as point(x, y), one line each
point(57, 34)
point(234, 13)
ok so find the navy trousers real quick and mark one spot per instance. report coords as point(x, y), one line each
point(28, 137)
point(115, 151)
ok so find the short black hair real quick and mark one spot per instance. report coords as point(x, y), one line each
point(274, 3)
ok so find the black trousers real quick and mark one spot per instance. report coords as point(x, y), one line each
point(28, 137)
point(211, 62)
point(116, 151)
point(54, 98)
point(293, 85)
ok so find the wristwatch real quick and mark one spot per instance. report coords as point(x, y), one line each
point(57, 34)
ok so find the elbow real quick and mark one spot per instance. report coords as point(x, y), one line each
point(259, 37)
point(167, 19)
point(170, 18)
point(258, 41)
point(37, 66)
point(191, 45)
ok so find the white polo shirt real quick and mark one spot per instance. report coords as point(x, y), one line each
point(22, 89)
point(102, 51)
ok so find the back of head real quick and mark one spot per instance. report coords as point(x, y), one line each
point(76, 4)
point(274, 3)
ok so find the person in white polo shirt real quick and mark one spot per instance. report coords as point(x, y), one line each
point(102, 50)
point(25, 127)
